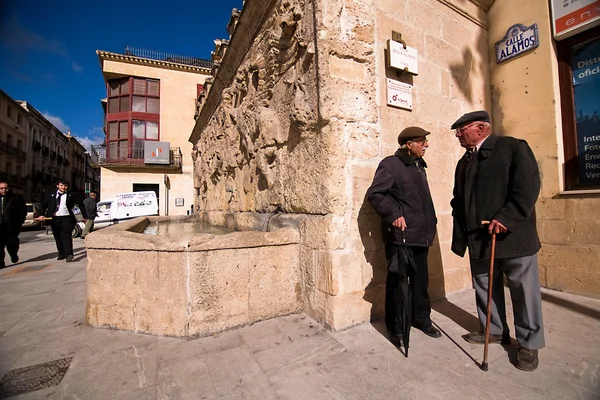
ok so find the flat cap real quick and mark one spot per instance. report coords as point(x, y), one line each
point(473, 116)
point(411, 133)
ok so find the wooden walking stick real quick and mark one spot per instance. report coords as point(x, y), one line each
point(484, 364)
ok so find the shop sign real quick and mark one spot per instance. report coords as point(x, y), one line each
point(403, 58)
point(570, 17)
point(156, 152)
point(399, 94)
point(519, 39)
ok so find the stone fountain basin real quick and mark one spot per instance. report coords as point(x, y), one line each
point(189, 286)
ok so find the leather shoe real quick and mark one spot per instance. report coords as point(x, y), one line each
point(69, 259)
point(527, 359)
point(60, 257)
point(431, 331)
point(395, 339)
point(14, 259)
point(479, 338)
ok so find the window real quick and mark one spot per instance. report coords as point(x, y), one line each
point(133, 115)
point(579, 79)
point(20, 119)
point(9, 111)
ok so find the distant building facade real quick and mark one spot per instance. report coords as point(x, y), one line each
point(149, 112)
point(34, 153)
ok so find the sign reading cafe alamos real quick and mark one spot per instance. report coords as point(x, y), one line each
point(518, 40)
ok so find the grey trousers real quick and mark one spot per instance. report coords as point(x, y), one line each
point(524, 284)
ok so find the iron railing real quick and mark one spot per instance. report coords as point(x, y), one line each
point(161, 56)
point(132, 156)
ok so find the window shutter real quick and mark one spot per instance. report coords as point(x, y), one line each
point(139, 86)
point(153, 88)
point(153, 105)
point(123, 129)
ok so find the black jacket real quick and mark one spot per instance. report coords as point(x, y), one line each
point(399, 189)
point(503, 183)
point(90, 206)
point(14, 211)
point(48, 206)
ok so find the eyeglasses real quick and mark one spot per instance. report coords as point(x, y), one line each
point(422, 142)
point(461, 130)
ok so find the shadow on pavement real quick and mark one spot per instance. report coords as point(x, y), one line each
point(578, 308)
point(467, 321)
point(47, 256)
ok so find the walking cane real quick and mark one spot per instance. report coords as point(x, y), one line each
point(484, 364)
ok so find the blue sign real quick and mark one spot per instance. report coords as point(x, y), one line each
point(585, 65)
point(519, 39)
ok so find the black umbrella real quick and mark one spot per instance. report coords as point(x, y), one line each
point(401, 265)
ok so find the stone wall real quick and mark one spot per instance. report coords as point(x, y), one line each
point(304, 123)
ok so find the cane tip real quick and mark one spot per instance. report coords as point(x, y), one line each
point(484, 366)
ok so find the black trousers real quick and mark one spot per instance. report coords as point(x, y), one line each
point(9, 239)
point(419, 279)
point(62, 227)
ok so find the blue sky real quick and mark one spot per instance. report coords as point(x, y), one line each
point(48, 49)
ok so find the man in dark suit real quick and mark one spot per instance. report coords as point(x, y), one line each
point(59, 207)
point(498, 180)
point(13, 212)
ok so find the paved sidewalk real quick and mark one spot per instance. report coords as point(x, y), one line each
point(42, 308)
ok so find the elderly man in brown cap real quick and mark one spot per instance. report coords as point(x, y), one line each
point(498, 180)
point(400, 195)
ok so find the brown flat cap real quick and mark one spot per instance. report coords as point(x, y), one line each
point(482, 116)
point(411, 133)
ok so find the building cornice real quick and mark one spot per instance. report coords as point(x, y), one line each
point(129, 59)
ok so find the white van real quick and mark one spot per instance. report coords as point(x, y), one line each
point(126, 206)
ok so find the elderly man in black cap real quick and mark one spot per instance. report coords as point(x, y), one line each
point(400, 195)
point(498, 180)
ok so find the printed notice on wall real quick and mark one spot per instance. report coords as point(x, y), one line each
point(399, 94)
point(585, 65)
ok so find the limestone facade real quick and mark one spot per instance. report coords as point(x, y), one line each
point(297, 121)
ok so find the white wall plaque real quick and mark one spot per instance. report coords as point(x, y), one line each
point(399, 94)
point(519, 39)
point(401, 58)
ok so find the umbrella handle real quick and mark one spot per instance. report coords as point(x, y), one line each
point(484, 364)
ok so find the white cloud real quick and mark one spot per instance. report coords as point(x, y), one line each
point(57, 122)
point(95, 135)
point(76, 67)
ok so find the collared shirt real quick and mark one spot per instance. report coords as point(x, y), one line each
point(62, 211)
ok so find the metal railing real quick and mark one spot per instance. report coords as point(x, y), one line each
point(161, 56)
point(133, 156)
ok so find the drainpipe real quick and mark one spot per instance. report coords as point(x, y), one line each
point(167, 184)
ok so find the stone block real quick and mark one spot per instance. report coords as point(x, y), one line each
point(390, 8)
point(348, 310)
point(347, 69)
point(421, 14)
point(324, 232)
point(582, 282)
point(571, 232)
point(338, 273)
point(395, 21)
point(572, 258)
point(362, 139)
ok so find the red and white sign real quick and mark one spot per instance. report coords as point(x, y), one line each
point(573, 16)
point(399, 94)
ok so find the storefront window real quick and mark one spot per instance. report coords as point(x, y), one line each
point(579, 72)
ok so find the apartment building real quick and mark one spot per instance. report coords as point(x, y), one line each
point(149, 114)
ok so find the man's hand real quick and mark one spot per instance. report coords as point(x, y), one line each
point(400, 223)
point(41, 218)
point(496, 227)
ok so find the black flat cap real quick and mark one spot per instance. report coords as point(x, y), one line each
point(411, 133)
point(482, 116)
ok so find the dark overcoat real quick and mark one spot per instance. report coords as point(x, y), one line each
point(15, 212)
point(400, 189)
point(502, 182)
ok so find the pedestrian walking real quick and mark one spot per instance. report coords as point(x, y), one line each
point(498, 180)
point(90, 205)
point(400, 195)
point(13, 212)
point(58, 208)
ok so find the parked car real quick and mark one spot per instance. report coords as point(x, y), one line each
point(33, 211)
